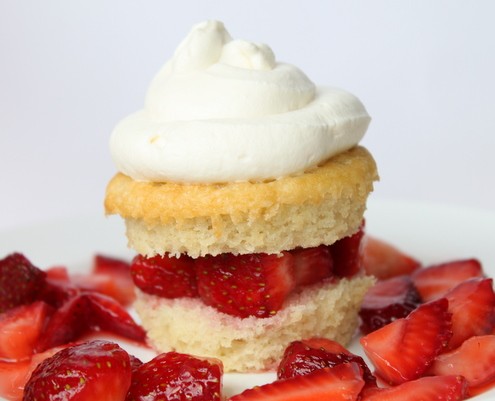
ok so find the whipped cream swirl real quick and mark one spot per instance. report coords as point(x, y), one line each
point(224, 110)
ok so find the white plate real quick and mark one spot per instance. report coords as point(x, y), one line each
point(431, 233)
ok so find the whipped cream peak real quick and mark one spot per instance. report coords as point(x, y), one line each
point(224, 110)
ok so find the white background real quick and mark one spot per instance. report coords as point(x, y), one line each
point(69, 71)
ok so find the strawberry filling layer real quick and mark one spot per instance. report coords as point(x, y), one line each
point(251, 284)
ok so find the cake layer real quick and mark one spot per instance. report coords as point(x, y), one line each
point(328, 309)
point(317, 207)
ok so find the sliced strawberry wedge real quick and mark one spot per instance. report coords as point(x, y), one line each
point(472, 304)
point(474, 360)
point(347, 254)
point(20, 281)
point(434, 281)
point(439, 388)
point(165, 276)
point(246, 285)
point(21, 328)
point(341, 383)
point(97, 370)
point(386, 301)
point(176, 376)
point(311, 265)
point(404, 349)
point(383, 260)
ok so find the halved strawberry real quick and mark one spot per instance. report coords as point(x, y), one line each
point(20, 329)
point(434, 281)
point(383, 260)
point(96, 370)
point(438, 388)
point(472, 304)
point(20, 281)
point(405, 348)
point(474, 360)
point(311, 265)
point(303, 357)
point(340, 383)
point(386, 301)
point(246, 285)
point(165, 276)
point(347, 254)
point(176, 376)
point(105, 264)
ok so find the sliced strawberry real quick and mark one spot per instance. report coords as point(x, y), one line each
point(439, 388)
point(119, 288)
point(434, 281)
point(347, 254)
point(176, 376)
point(97, 370)
point(474, 359)
point(246, 285)
point(472, 304)
point(20, 329)
point(340, 383)
point(311, 265)
point(105, 264)
point(15, 375)
point(88, 312)
point(405, 348)
point(383, 260)
point(165, 276)
point(303, 357)
point(20, 281)
point(386, 301)
point(109, 315)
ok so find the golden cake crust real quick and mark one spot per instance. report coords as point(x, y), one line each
point(319, 206)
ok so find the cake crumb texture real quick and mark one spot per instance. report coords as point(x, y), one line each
point(186, 325)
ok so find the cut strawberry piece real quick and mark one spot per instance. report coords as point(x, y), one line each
point(386, 301)
point(104, 264)
point(303, 357)
point(340, 383)
point(383, 260)
point(119, 288)
point(88, 312)
point(179, 377)
point(246, 285)
point(97, 370)
point(20, 329)
point(107, 314)
point(439, 388)
point(165, 276)
point(472, 304)
point(347, 254)
point(474, 359)
point(311, 265)
point(15, 375)
point(434, 281)
point(405, 348)
point(20, 281)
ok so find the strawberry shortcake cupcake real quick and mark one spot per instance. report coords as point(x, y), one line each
point(243, 190)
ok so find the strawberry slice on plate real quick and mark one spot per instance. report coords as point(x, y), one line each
point(474, 360)
point(388, 300)
point(404, 349)
point(437, 388)
point(96, 370)
point(21, 328)
point(340, 383)
point(177, 376)
point(472, 304)
point(435, 281)
point(383, 260)
point(246, 285)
